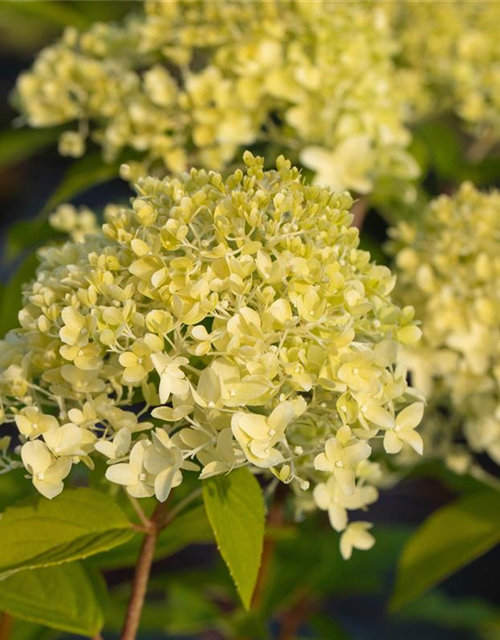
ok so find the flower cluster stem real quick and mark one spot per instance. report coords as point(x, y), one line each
point(5, 625)
point(143, 572)
point(359, 210)
point(294, 617)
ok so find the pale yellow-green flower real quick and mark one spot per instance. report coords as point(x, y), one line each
point(75, 222)
point(356, 536)
point(47, 471)
point(31, 422)
point(452, 52)
point(133, 474)
point(187, 83)
point(258, 434)
point(449, 269)
point(214, 324)
point(342, 455)
point(330, 497)
point(118, 447)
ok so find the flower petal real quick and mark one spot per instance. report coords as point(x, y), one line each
point(411, 416)
point(414, 439)
point(392, 443)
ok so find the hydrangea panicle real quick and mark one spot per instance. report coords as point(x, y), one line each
point(191, 83)
point(215, 324)
point(451, 50)
point(449, 269)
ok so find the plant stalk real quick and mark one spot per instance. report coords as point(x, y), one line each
point(359, 211)
point(142, 573)
point(293, 618)
point(5, 625)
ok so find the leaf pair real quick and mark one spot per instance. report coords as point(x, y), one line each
point(40, 542)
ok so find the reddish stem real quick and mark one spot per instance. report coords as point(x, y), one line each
point(142, 574)
point(5, 625)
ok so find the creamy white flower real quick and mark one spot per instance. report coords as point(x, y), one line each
point(342, 454)
point(402, 431)
point(307, 81)
point(259, 434)
point(133, 474)
point(47, 472)
point(221, 458)
point(329, 497)
point(238, 312)
point(116, 448)
point(163, 461)
point(172, 379)
point(356, 536)
point(345, 167)
point(449, 269)
point(31, 422)
point(69, 440)
point(77, 327)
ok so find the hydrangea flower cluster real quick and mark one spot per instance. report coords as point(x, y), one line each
point(454, 47)
point(76, 222)
point(191, 83)
point(449, 268)
point(212, 325)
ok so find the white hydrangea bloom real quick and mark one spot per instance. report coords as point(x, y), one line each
point(356, 536)
point(451, 53)
point(330, 497)
point(202, 80)
point(449, 269)
point(76, 222)
point(213, 325)
point(47, 471)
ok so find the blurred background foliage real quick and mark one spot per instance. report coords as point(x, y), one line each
point(310, 591)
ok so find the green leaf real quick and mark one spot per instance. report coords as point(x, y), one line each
point(187, 611)
point(13, 487)
point(11, 295)
point(451, 538)
point(68, 597)
point(18, 144)
point(83, 174)
point(54, 12)
point(444, 147)
point(249, 624)
point(460, 613)
point(28, 234)
point(77, 524)
point(98, 11)
point(190, 527)
point(235, 509)
point(327, 627)
point(22, 630)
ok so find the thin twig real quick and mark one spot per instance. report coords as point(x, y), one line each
point(143, 572)
point(5, 625)
point(140, 528)
point(359, 211)
point(182, 504)
point(480, 148)
point(138, 510)
point(294, 617)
